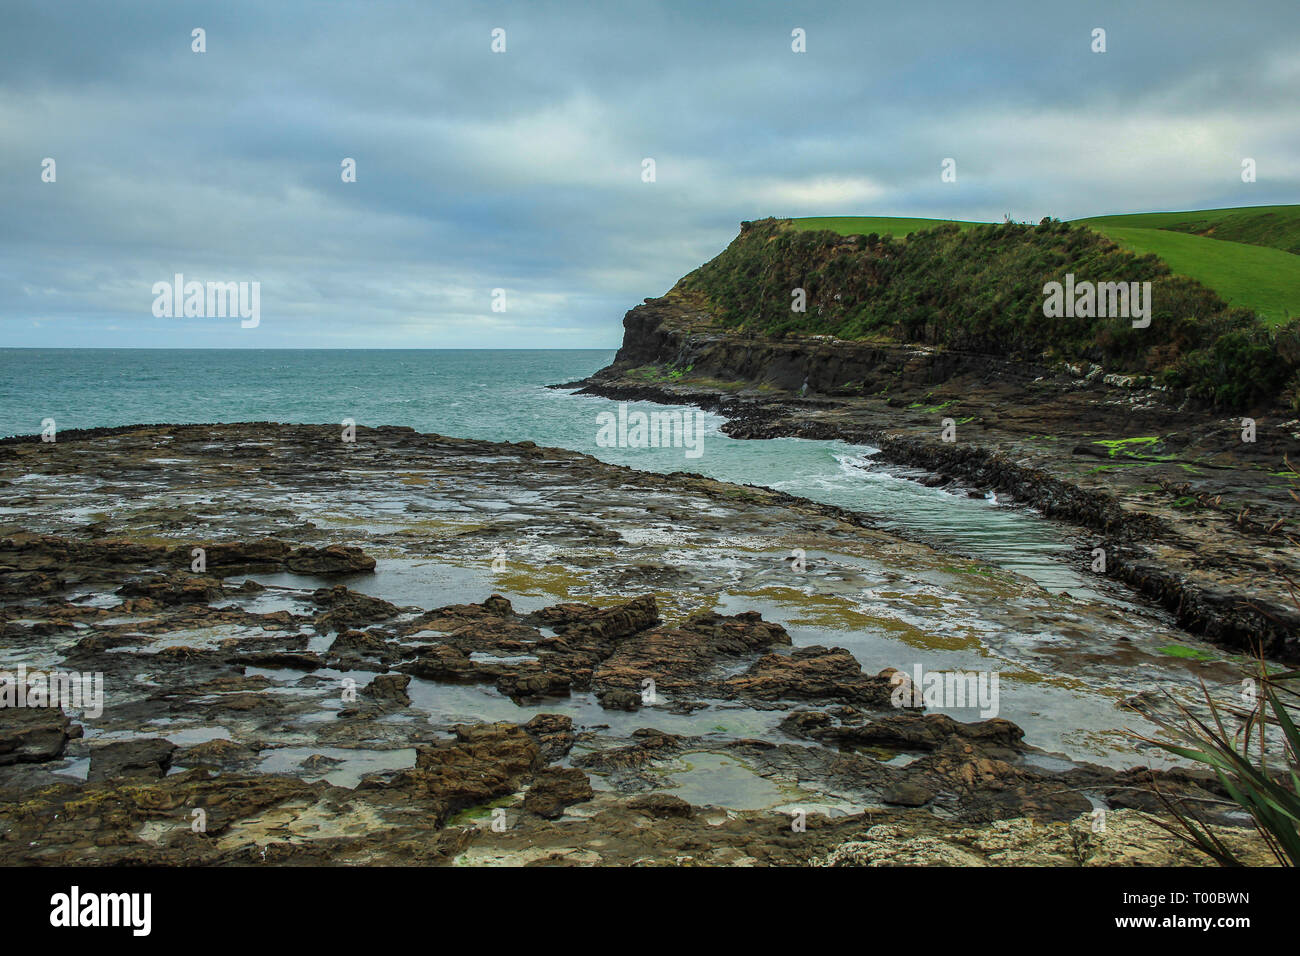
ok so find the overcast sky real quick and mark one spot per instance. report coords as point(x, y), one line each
point(522, 170)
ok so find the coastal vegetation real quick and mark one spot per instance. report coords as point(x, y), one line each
point(1256, 277)
point(1261, 776)
point(1205, 244)
point(980, 287)
point(1275, 227)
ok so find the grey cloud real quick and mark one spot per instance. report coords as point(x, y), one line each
point(522, 171)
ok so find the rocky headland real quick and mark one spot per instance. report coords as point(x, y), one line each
point(1190, 502)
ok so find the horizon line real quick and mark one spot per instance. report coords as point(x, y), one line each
point(296, 348)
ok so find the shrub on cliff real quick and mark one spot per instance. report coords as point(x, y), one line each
point(982, 290)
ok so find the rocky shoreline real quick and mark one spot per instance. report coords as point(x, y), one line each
point(286, 683)
point(1188, 514)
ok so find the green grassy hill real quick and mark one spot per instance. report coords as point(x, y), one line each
point(1245, 255)
point(866, 225)
point(1249, 255)
point(1217, 306)
point(1277, 227)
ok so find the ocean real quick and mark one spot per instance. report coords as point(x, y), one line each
point(500, 395)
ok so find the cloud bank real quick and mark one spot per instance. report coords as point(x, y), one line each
point(522, 170)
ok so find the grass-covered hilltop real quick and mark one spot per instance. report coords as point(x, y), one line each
point(1224, 291)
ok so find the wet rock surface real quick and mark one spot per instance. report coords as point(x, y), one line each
point(412, 651)
point(148, 758)
point(32, 734)
point(1127, 839)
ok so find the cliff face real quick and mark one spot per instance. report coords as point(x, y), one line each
point(675, 333)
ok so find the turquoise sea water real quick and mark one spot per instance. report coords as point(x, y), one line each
point(499, 395)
